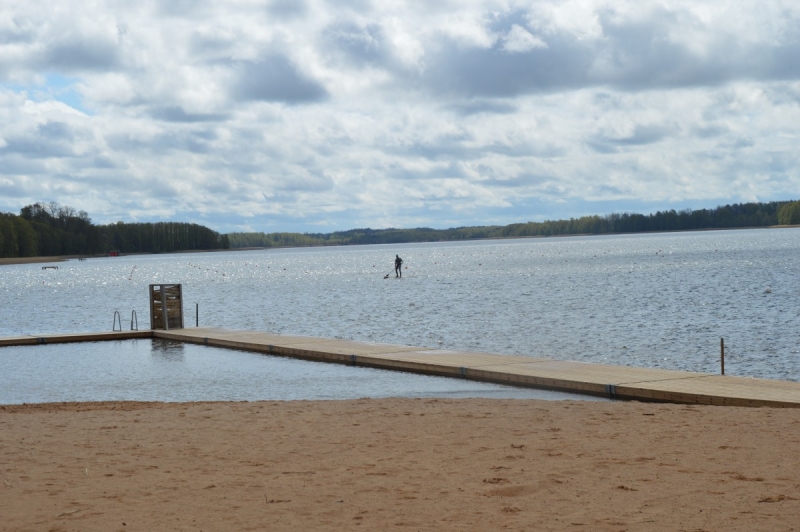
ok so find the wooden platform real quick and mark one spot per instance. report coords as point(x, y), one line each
point(618, 382)
point(73, 337)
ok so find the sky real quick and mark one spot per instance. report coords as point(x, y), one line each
point(317, 116)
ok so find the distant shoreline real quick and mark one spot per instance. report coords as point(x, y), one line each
point(36, 260)
point(63, 258)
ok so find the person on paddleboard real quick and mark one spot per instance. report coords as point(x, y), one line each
point(398, 266)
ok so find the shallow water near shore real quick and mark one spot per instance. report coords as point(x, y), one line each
point(655, 300)
point(168, 371)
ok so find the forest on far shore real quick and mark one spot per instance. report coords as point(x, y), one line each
point(726, 217)
point(50, 229)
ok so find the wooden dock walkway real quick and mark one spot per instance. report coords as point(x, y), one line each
point(618, 382)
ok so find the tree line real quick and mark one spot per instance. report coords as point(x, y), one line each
point(45, 229)
point(724, 217)
point(49, 229)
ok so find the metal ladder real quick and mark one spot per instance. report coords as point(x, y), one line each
point(118, 320)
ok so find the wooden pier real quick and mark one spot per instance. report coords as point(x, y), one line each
point(617, 382)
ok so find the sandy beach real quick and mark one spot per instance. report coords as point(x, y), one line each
point(398, 464)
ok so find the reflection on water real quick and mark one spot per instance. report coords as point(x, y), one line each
point(159, 370)
point(167, 350)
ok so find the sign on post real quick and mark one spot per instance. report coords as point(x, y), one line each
point(166, 306)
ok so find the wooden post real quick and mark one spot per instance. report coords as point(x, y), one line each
point(164, 312)
point(722, 355)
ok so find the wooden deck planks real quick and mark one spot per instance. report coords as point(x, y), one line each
point(719, 390)
point(598, 379)
point(74, 337)
point(8, 341)
point(311, 348)
point(621, 382)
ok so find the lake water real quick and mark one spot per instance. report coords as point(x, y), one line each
point(162, 370)
point(655, 300)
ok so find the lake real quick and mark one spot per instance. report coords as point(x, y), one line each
point(651, 300)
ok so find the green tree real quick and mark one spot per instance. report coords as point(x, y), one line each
point(26, 238)
point(789, 213)
point(9, 235)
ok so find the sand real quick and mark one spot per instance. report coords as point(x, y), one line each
point(398, 464)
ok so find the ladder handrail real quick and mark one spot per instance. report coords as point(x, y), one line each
point(133, 318)
point(117, 318)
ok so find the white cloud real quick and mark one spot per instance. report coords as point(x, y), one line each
point(309, 115)
point(519, 39)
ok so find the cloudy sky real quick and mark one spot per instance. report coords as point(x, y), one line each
point(313, 115)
